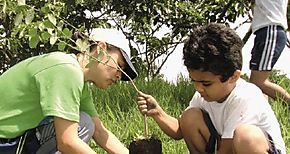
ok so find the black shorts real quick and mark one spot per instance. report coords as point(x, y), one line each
point(210, 146)
point(269, 43)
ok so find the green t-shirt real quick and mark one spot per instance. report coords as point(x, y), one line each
point(46, 85)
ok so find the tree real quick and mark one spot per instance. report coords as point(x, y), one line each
point(46, 25)
point(141, 21)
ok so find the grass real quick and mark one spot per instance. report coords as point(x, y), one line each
point(118, 110)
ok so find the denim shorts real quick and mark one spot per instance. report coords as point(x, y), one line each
point(269, 43)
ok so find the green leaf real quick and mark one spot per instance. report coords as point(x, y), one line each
point(67, 32)
point(33, 41)
point(52, 19)
point(45, 36)
point(44, 9)
point(53, 39)
point(48, 24)
point(29, 17)
point(101, 55)
point(18, 19)
point(21, 33)
point(4, 8)
point(60, 25)
point(50, 31)
point(82, 45)
point(41, 27)
point(61, 46)
point(91, 63)
point(32, 32)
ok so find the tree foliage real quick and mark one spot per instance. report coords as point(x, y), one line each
point(154, 28)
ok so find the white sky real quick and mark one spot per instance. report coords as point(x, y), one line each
point(174, 65)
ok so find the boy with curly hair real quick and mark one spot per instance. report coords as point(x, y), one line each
point(226, 113)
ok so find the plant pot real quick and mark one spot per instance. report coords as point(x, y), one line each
point(145, 146)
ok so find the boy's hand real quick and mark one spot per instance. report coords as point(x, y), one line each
point(147, 104)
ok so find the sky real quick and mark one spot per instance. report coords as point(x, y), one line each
point(174, 65)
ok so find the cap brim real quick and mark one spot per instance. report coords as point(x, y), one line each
point(129, 69)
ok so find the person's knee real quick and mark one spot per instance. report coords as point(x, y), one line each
point(190, 116)
point(242, 134)
point(86, 127)
point(247, 137)
point(191, 121)
point(194, 129)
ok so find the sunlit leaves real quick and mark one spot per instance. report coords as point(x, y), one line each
point(82, 45)
point(44, 9)
point(18, 19)
point(60, 25)
point(92, 61)
point(32, 32)
point(101, 55)
point(39, 27)
point(61, 46)
point(33, 41)
point(45, 36)
point(33, 38)
point(67, 32)
point(52, 19)
point(29, 17)
point(21, 2)
point(48, 24)
point(53, 39)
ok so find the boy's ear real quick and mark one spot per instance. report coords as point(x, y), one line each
point(235, 76)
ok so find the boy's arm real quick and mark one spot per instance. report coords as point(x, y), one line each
point(168, 124)
point(67, 137)
point(107, 140)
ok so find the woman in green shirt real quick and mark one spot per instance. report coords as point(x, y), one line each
point(46, 99)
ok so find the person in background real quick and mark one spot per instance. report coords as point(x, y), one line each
point(269, 26)
point(46, 104)
point(226, 113)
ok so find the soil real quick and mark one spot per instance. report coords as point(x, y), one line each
point(146, 146)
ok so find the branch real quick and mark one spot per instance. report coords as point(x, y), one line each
point(246, 21)
point(223, 13)
point(247, 36)
point(163, 62)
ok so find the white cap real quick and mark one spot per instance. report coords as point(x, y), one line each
point(117, 39)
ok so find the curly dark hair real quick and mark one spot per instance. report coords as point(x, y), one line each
point(214, 48)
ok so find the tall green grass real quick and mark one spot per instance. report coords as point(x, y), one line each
point(118, 111)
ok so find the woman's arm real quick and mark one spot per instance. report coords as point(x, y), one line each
point(107, 140)
point(67, 138)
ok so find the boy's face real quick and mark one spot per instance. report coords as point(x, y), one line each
point(210, 87)
point(104, 75)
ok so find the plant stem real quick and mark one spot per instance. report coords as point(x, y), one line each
point(146, 132)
